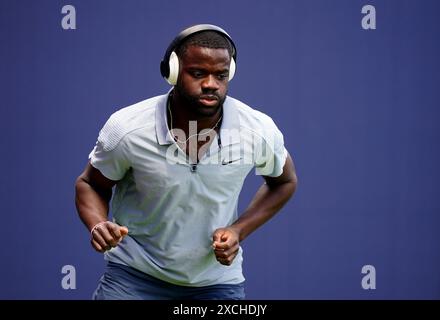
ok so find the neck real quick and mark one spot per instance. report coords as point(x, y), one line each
point(182, 114)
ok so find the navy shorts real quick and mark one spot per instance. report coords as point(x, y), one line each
point(121, 282)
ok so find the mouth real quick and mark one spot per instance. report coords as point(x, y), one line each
point(208, 100)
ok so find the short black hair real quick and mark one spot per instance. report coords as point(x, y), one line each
point(206, 39)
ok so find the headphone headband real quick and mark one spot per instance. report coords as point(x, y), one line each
point(165, 63)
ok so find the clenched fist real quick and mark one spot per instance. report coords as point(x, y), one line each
point(107, 235)
point(225, 244)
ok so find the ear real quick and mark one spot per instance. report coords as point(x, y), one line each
point(232, 68)
point(174, 69)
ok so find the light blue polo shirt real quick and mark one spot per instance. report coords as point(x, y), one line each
point(171, 206)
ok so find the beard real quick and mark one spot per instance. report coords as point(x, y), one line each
point(194, 105)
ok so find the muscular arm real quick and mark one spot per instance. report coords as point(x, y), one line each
point(93, 194)
point(268, 200)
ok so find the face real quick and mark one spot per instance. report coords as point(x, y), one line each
point(203, 79)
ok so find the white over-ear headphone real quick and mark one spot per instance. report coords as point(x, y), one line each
point(169, 66)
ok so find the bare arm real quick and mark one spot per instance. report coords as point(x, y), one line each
point(93, 194)
point(268, 200)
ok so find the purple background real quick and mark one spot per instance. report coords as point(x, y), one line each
point(359, 111)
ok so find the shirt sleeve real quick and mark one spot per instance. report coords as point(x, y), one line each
point(109, 156)
point(271, 154)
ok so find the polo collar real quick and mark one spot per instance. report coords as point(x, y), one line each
point(229, 129)
point(162, 132)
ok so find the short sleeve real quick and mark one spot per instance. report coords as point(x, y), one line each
point(271, 153)
point(109, 155)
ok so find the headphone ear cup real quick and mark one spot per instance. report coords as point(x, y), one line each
point(174, 69)
point(232, 68)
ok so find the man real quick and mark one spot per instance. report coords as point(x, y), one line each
point(178, 162)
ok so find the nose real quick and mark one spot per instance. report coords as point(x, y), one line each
point(210, 83)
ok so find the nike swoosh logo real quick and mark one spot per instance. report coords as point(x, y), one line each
point(230, 161)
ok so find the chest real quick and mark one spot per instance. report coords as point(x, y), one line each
point(219, 172)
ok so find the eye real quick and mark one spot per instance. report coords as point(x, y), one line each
point(223, 76)
point(197, 74)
